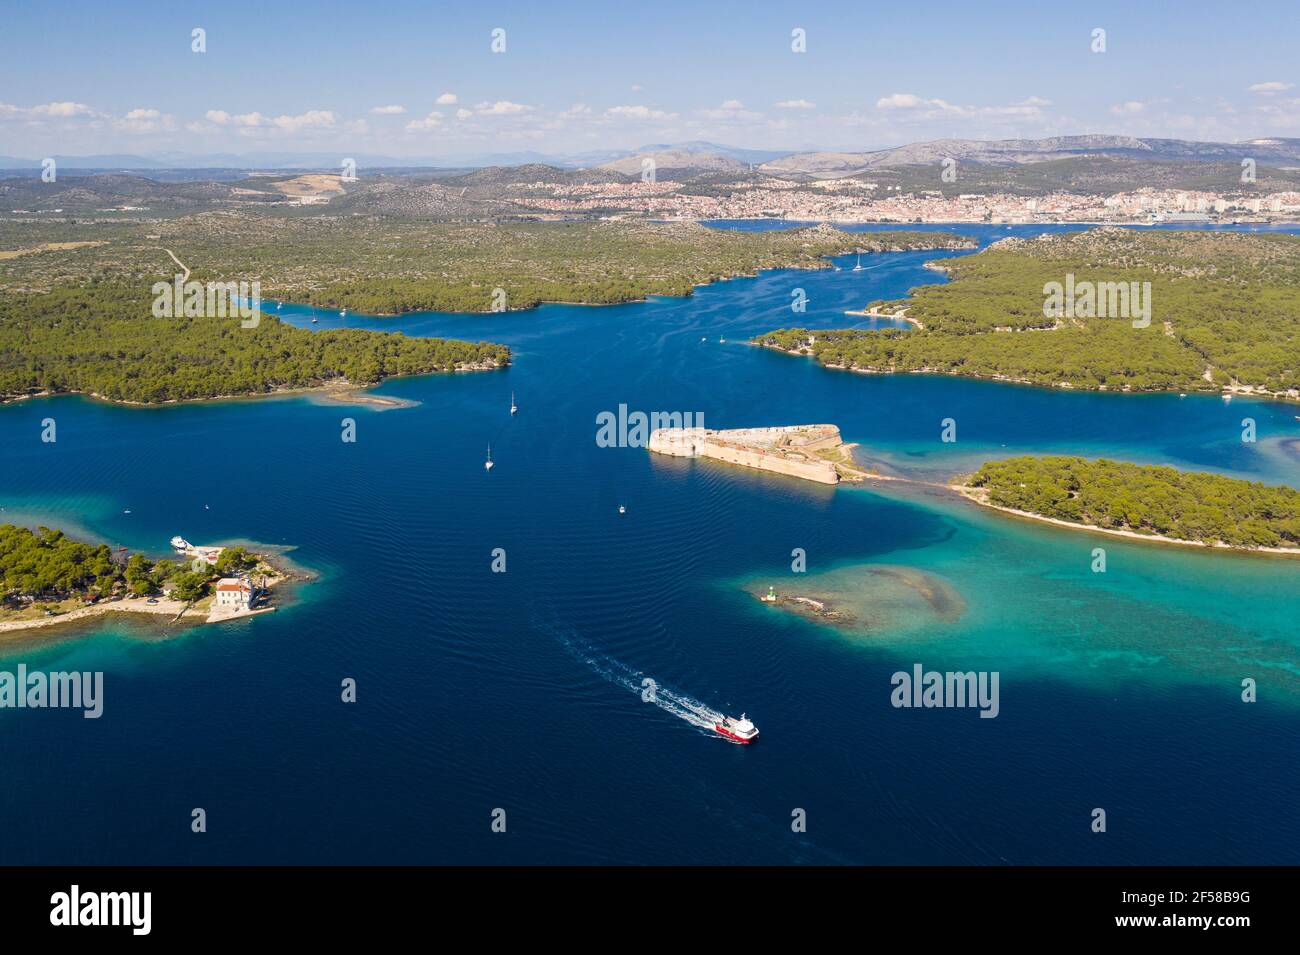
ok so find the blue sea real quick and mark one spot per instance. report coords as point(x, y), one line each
point(522, 691)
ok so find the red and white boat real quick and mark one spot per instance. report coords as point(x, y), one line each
point(742, 730)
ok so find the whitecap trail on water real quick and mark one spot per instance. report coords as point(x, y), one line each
point(679, 704)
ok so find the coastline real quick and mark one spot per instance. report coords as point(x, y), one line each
point(339, 391)
point(979, 497)
point(1243, 391)
point(192, 613)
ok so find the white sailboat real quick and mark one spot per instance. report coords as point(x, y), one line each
point(343, 314)
point(487, 465)
point(513, 407)
point(858, 267)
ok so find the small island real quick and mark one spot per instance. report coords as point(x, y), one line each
point(49, 578)
point(1146, 502)
point(813, 452)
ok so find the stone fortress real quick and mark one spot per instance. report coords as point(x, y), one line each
point(807, 451)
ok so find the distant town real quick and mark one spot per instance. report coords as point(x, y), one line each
point(852, 200)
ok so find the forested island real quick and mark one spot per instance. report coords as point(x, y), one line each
point(1142, 500)
point(47, 577)
point(1224, 316)
point(102, 340)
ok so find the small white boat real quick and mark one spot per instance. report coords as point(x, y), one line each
point(721, 340)
point(180, 543)
point(279, 305)
point(343, 314)
point(858, 267)
point(487, 465)
point(513, 407)
point(127, 511)
point(622, 509)
point(313, 319)
point(1227, 398)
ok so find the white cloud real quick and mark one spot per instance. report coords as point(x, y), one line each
point(795, 104)
point(432, 121)
point(464, 113)
point(1273, 86)
point(502, 107)
point(637, 87)
point(900, 101)
point(1129, 108)
point(638, 112)
point(388, 110)
point(145, 120)
point(63, 110)
point(447, 99)
point(731, 109)
point(312, 119)
point(1030, 108)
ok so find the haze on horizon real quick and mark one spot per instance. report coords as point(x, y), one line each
point(407, 81)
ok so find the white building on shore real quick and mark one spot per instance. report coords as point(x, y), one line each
point(233, 593)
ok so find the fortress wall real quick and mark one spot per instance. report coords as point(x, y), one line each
point(729, 446)
point(770, 462)
point(676, 442)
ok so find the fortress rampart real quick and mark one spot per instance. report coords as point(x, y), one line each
point(791, 450)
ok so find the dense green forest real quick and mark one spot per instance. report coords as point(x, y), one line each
point(44, 564)
point(103, 340)
point(1225, 309)
point(386, 266)
point(1146, 499)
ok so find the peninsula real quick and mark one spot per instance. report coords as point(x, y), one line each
point(813, 452)
point(1213, 312)
point(386, 266)
point(1141, 501)
point(100, 340)
point(50, 579)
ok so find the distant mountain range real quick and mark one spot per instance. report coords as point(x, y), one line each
point(1019, 151)
point(695, 154)
point(472, 186)
point(701, 156)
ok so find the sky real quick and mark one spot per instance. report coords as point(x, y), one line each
point(421, 79)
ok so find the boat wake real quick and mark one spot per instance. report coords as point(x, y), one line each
point(681, 705)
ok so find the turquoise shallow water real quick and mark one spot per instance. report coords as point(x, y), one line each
point(479, 690)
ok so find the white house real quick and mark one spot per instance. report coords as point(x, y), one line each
point(233, 593)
